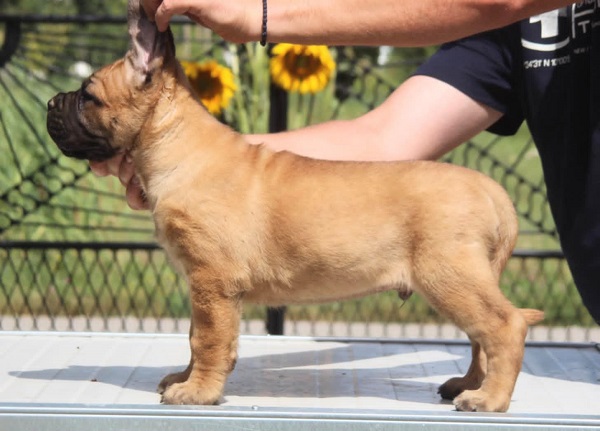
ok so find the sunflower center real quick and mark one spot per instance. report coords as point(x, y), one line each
point(301, 65)
point(207, 85)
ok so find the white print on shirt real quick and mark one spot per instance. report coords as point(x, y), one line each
point(552, 31)
point(546, 62)
point(549, 29)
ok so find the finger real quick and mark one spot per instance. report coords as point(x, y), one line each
point(108, 167)
point(150, 7)
point(167, 9)
point(135, 195)
point(126, 170)
point(99, 168)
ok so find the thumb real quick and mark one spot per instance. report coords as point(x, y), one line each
point(166, 10)
point(135, 196)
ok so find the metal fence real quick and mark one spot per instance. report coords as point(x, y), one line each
point(74, 257)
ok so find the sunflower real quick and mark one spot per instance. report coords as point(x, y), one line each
point(301, 68)
point(213, 83)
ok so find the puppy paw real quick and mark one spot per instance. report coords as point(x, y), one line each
point(455, 386)
point(189, 393)
point(171, 379)
point(480, 401)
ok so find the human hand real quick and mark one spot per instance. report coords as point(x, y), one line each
point(121, 166)
point(236, 21)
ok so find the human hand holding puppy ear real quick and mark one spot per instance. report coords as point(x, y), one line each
point(237, 21)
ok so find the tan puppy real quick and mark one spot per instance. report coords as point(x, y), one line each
point(246, 224)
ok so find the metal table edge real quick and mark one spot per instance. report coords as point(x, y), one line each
point(284, 415)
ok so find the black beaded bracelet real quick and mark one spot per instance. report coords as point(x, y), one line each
point(263, 35)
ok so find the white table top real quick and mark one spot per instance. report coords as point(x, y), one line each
point(99, 371)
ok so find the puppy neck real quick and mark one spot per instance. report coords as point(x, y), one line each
point(180, 136)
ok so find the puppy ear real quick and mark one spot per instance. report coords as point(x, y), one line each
point(150, 49)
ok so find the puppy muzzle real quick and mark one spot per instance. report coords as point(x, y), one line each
point(70, 134)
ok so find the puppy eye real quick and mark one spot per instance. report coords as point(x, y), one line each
point(86, 96)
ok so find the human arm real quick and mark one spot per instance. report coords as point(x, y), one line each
point(351, 22)
point(422, 119)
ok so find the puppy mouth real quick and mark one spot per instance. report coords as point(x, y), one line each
point(70, 135)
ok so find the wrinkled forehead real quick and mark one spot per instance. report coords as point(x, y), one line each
point(111, 68)
point(111, 76)
point(113, 72)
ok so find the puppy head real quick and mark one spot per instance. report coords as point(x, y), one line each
point(106, 114)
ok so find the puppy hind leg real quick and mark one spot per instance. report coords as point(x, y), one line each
point(468, 294)
point(471, 380)
point(503, 342)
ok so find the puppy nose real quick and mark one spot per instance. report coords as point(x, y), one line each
point(56, 101)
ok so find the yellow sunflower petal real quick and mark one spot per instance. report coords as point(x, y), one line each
point(213, 83)
point(301, 68)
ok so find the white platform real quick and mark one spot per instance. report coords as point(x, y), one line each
point(74, 380)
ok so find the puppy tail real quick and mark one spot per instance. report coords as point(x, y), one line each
point(531, 315)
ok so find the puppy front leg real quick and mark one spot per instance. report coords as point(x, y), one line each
point(213, 342)
point(180, 376)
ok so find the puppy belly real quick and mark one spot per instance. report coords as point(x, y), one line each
point(313, 293)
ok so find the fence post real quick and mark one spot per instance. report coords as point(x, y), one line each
point(278, 119)
point(12, 37)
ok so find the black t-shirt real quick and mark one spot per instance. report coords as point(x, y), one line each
point(546, 70)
